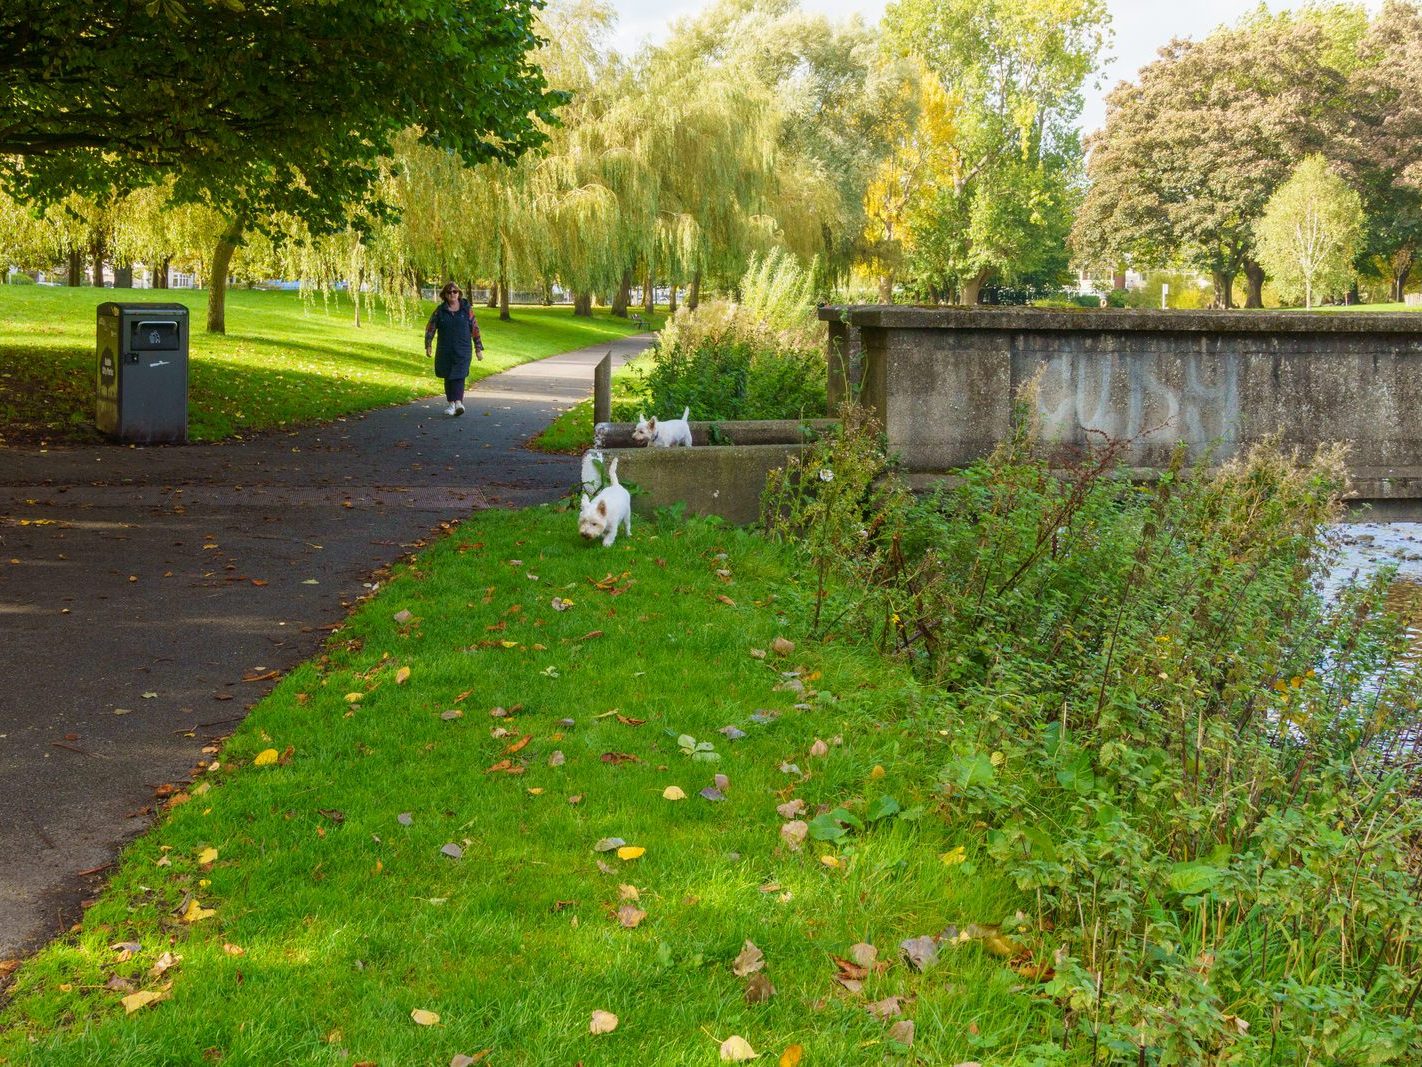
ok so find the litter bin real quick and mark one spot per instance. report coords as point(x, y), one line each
point(142, 353)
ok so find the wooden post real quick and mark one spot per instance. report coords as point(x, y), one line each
point(837, 384)
point(602, 390)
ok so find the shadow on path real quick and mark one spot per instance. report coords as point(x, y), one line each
point(140, 586)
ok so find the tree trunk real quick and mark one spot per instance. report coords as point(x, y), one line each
point(886, 288)
point(623, 296)
point(693, 293)
point(123, 276)
point(493, 300)
point(1400, 271)
point(1254, 284)
point(649, 293)
point(97, 252)
point(76, 269)
point(671, 301)
point(160, 273)
point(355, 295)
point(582, 305)
point(973, 288)
point(547, 293)
point(1224, 289)
point(217, 283)
point(504, 315)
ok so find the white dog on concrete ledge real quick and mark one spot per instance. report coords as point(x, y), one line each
point(663, 433)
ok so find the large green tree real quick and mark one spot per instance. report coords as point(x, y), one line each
point(1310, 232)
point(258, 107)
point(1193, 149)
point(1015, 69)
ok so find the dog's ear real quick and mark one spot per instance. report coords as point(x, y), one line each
point(652, 423)
point(602, 508)
point(586, 501)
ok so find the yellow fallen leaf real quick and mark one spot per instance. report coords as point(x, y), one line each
point(831, 861)
point(792, 1056)
point(424, 1018)
point(673, 792)
point(201, 788)
point(602, 1022)
point(402, 676)
point(1002, 946)
point(736, 1049)
point(509, 644)
point(354, 698)
point(233, 950)
point(207, 855)
point(535, 791)
point(266, 757)
point(630, 852)
point(876, 774)
point(134, 1001)
point(195, 912)
point(954, 855)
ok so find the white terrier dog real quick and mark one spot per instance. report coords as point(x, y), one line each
point(601, 515)
point(668, 433)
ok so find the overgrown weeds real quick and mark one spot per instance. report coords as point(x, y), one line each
point(1174, 747)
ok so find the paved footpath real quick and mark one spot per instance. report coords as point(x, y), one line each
point(139, 587)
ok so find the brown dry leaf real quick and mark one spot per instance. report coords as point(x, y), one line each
point(402, 676)
point(517, 745)
point(921, 952)
point(724, 599)
point(819, 749)
point(556, 758)
point(757, 653)
point(630, 916)
point(794, 833)
point(1036, 972)
point(134, 1001)
point(792, 1056)
point(1001, 945)
point(627, 892)
point(619, 757)
point(602, 1022)
point(759, 989)
point(863, 954)
point(163, 963)
point(902, 1032)
point(749, 961)
point(782, 647)
point(791, 808)
point(424, 1018)
point(627, 720)
point(847, 969)
point(737, 1049)
point(233, 950)
point(462, 1060)
point(884, 1009)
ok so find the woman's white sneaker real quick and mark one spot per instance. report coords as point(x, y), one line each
point(451, 410)
point(459, 407)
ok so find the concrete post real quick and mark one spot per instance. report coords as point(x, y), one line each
point(836, 366)
point(602, 390)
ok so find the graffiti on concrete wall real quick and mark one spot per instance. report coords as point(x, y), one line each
point(1192, 398)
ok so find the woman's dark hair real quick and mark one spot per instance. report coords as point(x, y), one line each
point(444, 293)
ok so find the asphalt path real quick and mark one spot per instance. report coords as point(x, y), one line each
point(141, 589)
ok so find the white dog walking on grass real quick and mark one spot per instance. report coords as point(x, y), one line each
point(666, 433)
point(601, 515)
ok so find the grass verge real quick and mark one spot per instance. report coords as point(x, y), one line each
point(321, 916)
point(571, 433)
point(284, 361)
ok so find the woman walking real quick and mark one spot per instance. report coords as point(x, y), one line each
point(453, 321)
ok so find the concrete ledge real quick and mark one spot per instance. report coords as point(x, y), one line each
point(725, 481)
point(1120, 320)
point(718, 434)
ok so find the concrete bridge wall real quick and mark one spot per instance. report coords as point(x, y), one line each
point(943, 382)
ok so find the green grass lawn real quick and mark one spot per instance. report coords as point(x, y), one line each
point(326, 912)
point(282, 363)
point(571, 433)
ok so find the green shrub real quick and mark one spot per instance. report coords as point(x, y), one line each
point(1155, 726)
point(760, 358)
point(20, 279)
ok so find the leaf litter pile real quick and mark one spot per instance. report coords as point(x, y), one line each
point(662, 828)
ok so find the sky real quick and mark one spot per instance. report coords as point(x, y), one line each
point(1141, 27)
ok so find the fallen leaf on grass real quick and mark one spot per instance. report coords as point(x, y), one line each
point(757, 653)
point(733, 733)
point(451, 715)
point(233, 950)
point(630, 916)
point(504, 766)
point(726, 600)
point(266, 757)
point(627, 720)
point(792, 1056)
point(790, 808)
point(759, 989)
point(1006, 947)
point(750, 960)
point(863, 954)
point(163, 963)
point(206, 856)
point(195, 912)
point(902, 1032)
point(722, 783)
point(134, 1001)
point(619, 757)
point(556, 758)
point(884, 1009)
point(627, 892)
point(402, 676)
point(118, 985)
point(819, 749)
point(736, 1049)
point(829, 860)
point(424, 1018)
point(518, 745)
point(712, 794)
point(602, 1022)
point(794, 833)
point(673, 792)
point(462, 1060)
point(354, 698)
point(405, 818)
point(607, 844)
point(921, 952)
point(402, 616)
point(631, 852)
point(452, 850)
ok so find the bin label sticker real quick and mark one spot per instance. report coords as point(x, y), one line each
point(159, 363)
point(107, 371)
